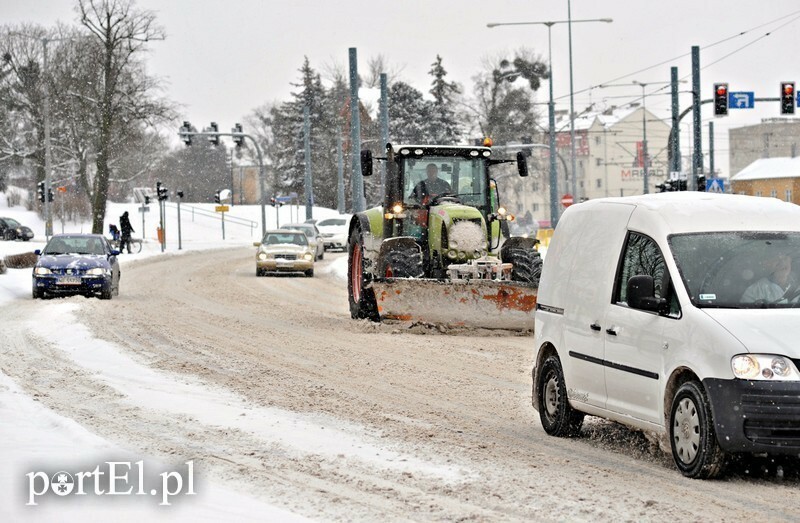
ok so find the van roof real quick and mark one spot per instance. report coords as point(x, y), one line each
point(689, 211)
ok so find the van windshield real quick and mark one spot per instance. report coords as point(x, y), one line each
point(740, 270)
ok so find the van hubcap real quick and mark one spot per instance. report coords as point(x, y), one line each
point(686, 430)
point(551, 396)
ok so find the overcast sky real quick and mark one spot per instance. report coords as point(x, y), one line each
point(222, 59)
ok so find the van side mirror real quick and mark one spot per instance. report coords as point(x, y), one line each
point(522, 164)
point(641, 294)
point(366, 162)
point(37, 252)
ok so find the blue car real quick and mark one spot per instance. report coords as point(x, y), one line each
point(77, 264)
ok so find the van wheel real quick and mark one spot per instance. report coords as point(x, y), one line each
point(695, 449)
point(558, 418)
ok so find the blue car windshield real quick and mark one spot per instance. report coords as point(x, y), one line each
point(74, 245)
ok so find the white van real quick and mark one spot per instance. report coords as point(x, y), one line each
point(677, 313)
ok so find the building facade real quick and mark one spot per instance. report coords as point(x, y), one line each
point(609, 160)
point(770, 177)
point(772, 138)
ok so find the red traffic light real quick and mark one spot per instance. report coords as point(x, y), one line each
point(721, 90)
point(787, 98)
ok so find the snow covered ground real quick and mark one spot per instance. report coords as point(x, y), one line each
point(32, 435)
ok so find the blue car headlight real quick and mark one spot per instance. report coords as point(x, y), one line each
point(98, 271)
point(42, 270)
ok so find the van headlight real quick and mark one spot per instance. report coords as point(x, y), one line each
point(764, 367)
point(262, 256)
point(42, 270)
point(308, 256)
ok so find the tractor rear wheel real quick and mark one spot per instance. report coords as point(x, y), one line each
point(361, 298)
point(404, 261)
point(527, 264)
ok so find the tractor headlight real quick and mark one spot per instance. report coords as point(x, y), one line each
point(397, 208)
point(452, 253)
point(501, 211)
point(764, 367)
point(42, 270)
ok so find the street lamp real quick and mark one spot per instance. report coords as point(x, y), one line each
point(551, 108)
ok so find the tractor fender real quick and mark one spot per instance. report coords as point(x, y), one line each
point(394, 244)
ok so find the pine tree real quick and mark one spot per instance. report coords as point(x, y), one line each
point(445, 126)
point(410, 116)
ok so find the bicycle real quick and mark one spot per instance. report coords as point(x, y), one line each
point(136, 245)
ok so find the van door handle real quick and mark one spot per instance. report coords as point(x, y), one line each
point(611, 331)
point(595, 327)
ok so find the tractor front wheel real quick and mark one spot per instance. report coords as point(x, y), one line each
point(361, 297)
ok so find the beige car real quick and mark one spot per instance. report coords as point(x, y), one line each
point(284, 250)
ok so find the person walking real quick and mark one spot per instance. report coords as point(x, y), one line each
point(125, 229)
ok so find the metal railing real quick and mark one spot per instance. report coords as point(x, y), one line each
point(229, 220)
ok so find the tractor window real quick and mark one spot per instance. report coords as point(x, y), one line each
point(433, 175)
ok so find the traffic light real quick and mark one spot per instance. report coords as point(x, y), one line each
point(184, 131)
point(720, 99)
point(180, 194)
point(216, 198)
point(50, 194)
point(146, 200)
point(161, 192)
point(787, 97)
point(238, 140)
point(40, 191)
point(214, 128)
point(701, 183)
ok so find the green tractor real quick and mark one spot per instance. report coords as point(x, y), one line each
point(437, 250)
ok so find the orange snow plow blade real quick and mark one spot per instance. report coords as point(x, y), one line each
point(485, 304)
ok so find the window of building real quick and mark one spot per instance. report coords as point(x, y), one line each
point(597, 140)
point(788, 195)
point(599, 182)
point(758, 193)
point(535, 207)
point(535, 187)
point(599, 162)
point(773, 193)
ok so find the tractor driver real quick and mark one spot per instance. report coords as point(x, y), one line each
point(431, 187)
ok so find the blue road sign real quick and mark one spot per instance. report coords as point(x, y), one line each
point(741, 100)
point(284, 199)
point(715, 185)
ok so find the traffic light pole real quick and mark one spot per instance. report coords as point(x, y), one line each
point(261, 170)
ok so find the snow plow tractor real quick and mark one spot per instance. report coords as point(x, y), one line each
point(438, 250)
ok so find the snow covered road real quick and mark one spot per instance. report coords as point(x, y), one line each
point(276, 394)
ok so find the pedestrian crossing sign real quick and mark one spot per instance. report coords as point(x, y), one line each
point(715, 185)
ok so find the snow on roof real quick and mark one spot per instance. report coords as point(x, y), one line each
point(606, 118)
point(767, 168)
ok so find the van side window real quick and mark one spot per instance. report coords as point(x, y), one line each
point(643, 257)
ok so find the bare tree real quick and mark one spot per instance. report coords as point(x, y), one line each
point(122, 98)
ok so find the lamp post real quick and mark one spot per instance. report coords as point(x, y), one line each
point(551, 108)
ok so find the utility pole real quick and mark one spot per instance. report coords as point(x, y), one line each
point(309, 189)
point(357, 181)
point(710, 152)
point(675, 149)
point(384, 117)
point(340, 206)
point(697, 160)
